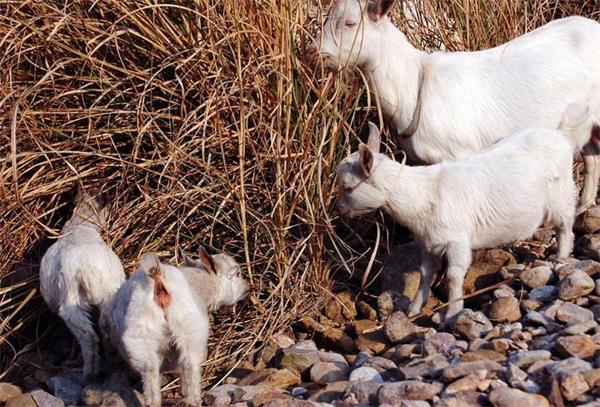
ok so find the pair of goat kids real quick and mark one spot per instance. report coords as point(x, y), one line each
point(160, 311)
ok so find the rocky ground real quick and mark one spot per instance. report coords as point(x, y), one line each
point(532, 340)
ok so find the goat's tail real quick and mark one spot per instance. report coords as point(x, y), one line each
point(150, 264)
point(581, 122)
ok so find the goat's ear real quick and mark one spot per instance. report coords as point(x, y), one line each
point(188, 261)
point(379, 8)
point(182, 256)
point(366, 159)
point(79, 193)
point(99, 196)
point(206, 260)
point(150, 263)
point(374, 141)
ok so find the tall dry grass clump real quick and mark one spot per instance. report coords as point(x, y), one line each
point(203, 124)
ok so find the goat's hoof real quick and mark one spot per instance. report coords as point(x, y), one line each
point(412, 313)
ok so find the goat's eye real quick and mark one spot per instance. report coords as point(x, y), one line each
point(348, 189)
point(350, 24)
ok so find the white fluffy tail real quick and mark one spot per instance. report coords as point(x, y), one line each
point(581, 121)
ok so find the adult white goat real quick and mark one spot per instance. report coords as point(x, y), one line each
point(454, 104)
point(495, 197)
point(163, 310)
point(79, 272)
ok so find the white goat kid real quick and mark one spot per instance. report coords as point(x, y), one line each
point(78, 273)
point(454, 104)
point(495, 197)
point(163, 310)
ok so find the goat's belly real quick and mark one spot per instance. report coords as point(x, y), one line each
point(501, 233)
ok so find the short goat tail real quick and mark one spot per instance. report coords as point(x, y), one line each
point(150, 264)
point(581, 122)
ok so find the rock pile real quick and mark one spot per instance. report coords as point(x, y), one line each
point(530, 342)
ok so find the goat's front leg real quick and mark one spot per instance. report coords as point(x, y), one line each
point(590, 182)
point(459, 260)
point(429, 268)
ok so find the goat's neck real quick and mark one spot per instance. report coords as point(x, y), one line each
point(205, 287)
point(410, 193)
point(394, 72)
point(208, 288)
point(77, 222)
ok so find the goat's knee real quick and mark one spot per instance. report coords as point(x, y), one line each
point(459, 260)
point(456, 277)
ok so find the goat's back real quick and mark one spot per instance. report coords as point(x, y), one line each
point(504, 193)
point(472, 99)
point(135, 312)
point(80, 268)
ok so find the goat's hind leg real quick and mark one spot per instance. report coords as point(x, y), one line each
point(191, 339)
point(563, 225)
point(192, 355)
point(591, 178)
point(79, 323)
point(145, 358)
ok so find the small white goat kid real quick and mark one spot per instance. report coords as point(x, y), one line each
point(495, 197)
point(163, 310)
point(454, 104)
point(80, 273)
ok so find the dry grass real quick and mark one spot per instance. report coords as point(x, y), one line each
point(201, 121)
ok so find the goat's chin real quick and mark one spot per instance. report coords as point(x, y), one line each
point(334, 63)
point(357, 213)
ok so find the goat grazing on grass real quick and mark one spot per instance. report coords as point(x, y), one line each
point(495, 197)
point(447, 105)
point(79, 274)
point(163, 310)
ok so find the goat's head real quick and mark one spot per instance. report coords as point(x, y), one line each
point(358, 193)
point(232, 286)
point(351, 33)
point(91, 205)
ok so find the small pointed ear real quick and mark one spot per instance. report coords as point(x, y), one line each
point(366, 159)
point(150, 263)
point(187, 260)
point(79, 193)
point(206, 260)
point(374, 140)
point(100, 197)
point(379, 8)
point(182, 256)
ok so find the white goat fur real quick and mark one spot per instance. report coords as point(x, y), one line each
point(495, 197)
point(468, 99)
point(146, 333)
point(78, 273)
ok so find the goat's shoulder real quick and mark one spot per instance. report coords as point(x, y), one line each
point(569, 23)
